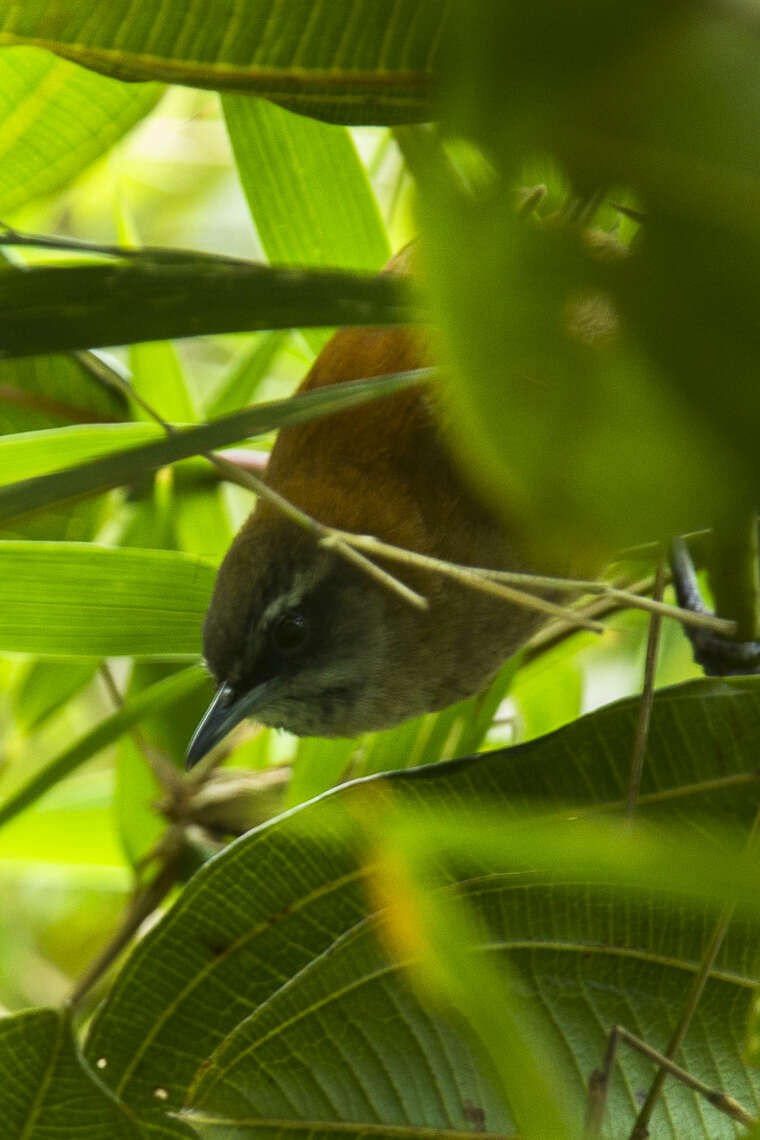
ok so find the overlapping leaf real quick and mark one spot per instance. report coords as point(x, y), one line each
point(275, 1000)
point(47, 1089)
point(366, 61)
point(123, 465)
point(55, 119)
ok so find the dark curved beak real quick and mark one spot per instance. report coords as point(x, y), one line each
point(226, 710)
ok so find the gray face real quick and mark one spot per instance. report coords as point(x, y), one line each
point(296, 643)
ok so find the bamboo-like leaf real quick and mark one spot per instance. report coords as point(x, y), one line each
point(123, 466)
point(350, 61)
point(29, 454)
point(308, 193)
point(55, 119)
point(156, 295)
point(81, 600)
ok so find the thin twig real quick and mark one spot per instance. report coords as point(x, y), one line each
point(640, 1129)
point(599, 1083)
point(475, 577)
point(540, 581)
point(647, 696)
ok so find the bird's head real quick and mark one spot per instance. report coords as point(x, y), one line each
point(298, 638)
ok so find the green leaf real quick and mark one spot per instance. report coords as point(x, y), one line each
point(81, 600)
point(369, 61)
point(55, 119)
point(278, 998)
point(155, 296)
point(241, 383)
point(32, 453)
point(46, 688)
point(47, 1089)
point(162, 695)
point(127, 465)
point(308, 193)
point(45, 391)
point(157, 376)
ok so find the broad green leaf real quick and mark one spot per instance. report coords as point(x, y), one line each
point(46, 391)
point(32, 453)
point(366, 61)
point(155, 295)
point(126, 465)
point(55, 119)
point(278, 998)
point(81, 600)
point(47, 1089)
point(308, 193)
point(158, 697)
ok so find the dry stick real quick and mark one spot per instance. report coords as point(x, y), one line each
point(477, 574)
point(599, 1082)
point(556, 631)
point(640, 1130)
point(467, 575)
point(647, 697)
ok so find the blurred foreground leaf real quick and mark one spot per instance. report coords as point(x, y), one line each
point(277, 999)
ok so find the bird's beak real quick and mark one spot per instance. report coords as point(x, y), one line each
point(225, 711)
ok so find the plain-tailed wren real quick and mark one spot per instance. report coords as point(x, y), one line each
point(298, 637)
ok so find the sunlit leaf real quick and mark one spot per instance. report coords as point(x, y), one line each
point(366, 62)
point(81, 600)
point(308, 193)
point(55, 119)
point(31, 453)
point(47, 391)
point(47, 687)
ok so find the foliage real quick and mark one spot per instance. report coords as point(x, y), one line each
point(443, 944)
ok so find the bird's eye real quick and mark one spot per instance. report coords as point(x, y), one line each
point(289, 633)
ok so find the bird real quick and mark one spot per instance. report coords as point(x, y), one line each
point(299, 638)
